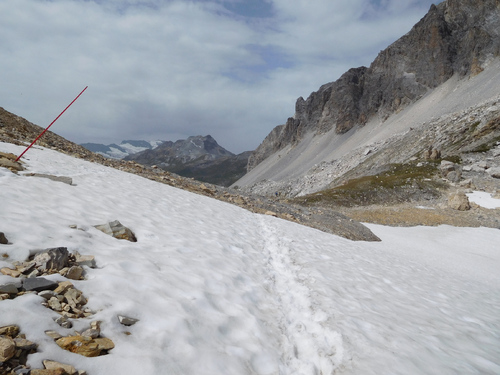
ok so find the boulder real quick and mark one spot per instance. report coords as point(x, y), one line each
point(54, 259)
point(117, 230)
point(459, 201)
point(3, 239)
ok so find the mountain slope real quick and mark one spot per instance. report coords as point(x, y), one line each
point(425, 73)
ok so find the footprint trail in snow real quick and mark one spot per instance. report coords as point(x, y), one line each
point(310, 346)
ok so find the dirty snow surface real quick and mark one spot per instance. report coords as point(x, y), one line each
point(220, 290)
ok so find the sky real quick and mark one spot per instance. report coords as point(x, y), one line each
point(170, 69)
point(219, 290)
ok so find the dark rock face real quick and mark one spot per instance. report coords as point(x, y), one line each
point(455, 37)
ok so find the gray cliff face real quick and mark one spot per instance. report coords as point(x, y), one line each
point(455, 37)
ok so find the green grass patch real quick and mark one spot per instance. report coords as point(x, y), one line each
point(398, 183)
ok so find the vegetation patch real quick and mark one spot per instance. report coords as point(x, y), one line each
point(398, 183)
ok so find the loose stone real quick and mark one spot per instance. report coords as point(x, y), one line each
point(38, 284)
point(126, 321)
point(7, 348)
point(53, 365)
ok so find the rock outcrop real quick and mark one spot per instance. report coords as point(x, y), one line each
point(455, 37)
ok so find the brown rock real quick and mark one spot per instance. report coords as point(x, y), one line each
point(7, 348)
point(13, 166)
point(37, 371)
point(85, 346)
point(53, 334)
point(74, 273)
point(54, 304)
point(85, 260)
point(11, 331)
point(53, 365)
point(10, 272)
point(63, 287)
point(117, 230)
point(459, 201)
point(104, 343)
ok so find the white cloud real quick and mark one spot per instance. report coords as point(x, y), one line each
point(180, 68)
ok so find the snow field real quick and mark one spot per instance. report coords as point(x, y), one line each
point(219, 290)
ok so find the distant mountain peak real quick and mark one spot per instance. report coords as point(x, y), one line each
point(200, 157)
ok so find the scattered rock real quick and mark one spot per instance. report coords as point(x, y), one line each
point(459, 201)
point(14, 350)
point(63, 322)
point(3, 239)
point(53, 365)
point(63, 287)
point(53, 334)
point(47, 294)
point(92, 333)
point(8, 288)
point(432, 154)
point(450, 171)
point(73, 273)
point(37, 284)
point(271, 213)
point(117, 230)
point(9, 161)
point(53, 259)
point(126, 321)
point(48, 372)
point(64, 179)
point(68, 301)
point(7, 348)
point(494, 172)
point(10, 272)
point(86, 346)
point(11, 331)
point(84, 260)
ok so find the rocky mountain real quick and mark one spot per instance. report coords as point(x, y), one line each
point(199, 157)
point(125, 148)
point(446, 68)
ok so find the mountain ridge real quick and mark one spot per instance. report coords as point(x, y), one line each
point(450, 39)
point(125, 148)
point(199, 157)
point(453, 49)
